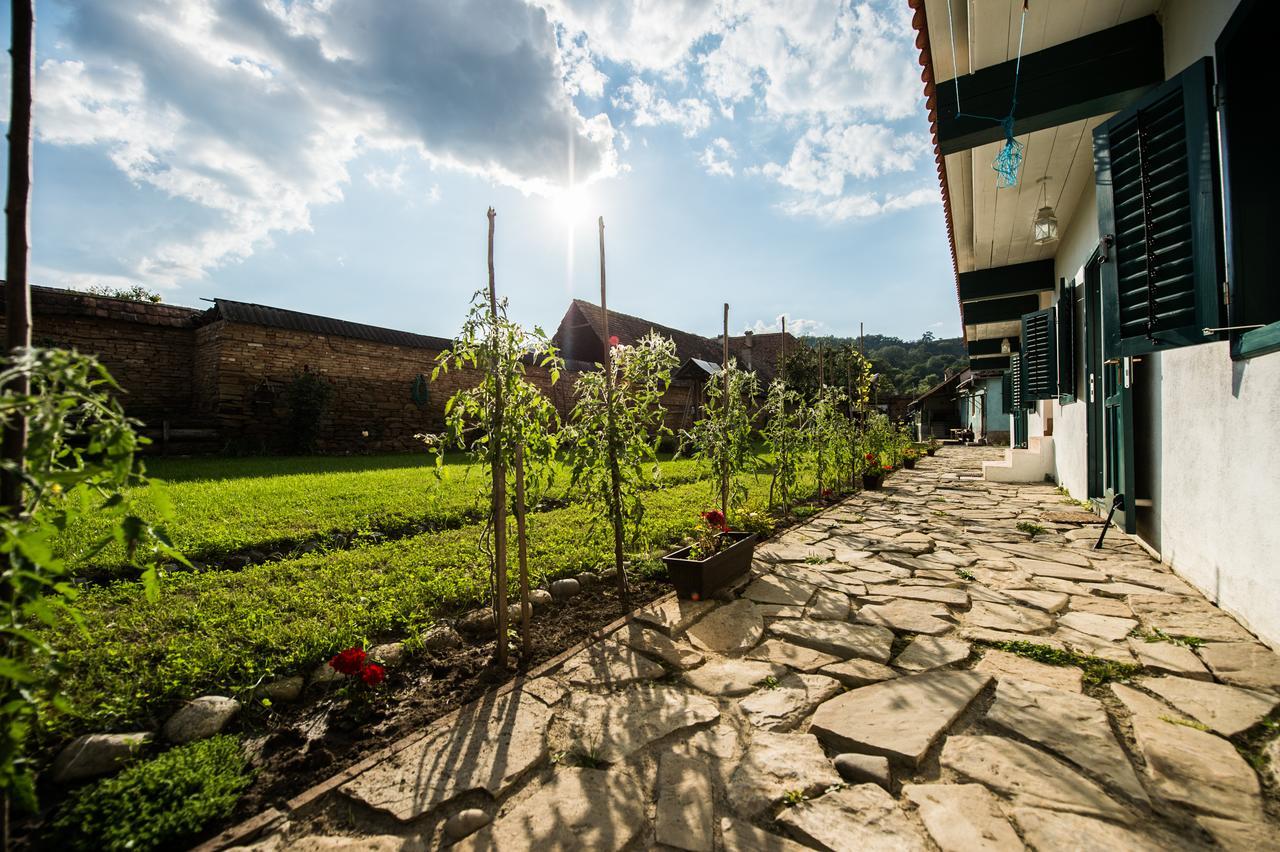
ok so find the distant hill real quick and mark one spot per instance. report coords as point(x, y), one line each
point(906, 367)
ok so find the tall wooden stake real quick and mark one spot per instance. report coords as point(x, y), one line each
point(522, 543)
point(786, 496)
point(17, 233)
point(821, 385)
point(499, 472)
point(615, 474)
point(724, 469)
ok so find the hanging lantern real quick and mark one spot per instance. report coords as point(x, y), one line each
point(1045, 224)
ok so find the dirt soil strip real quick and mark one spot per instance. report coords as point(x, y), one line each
point(246, 831)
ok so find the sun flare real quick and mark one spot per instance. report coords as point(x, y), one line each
point(572, 205)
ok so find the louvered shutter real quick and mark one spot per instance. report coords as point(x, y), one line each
point(1067, 343)
point(1038, 357)
point(1158, 200)
point(1006, 392)
point(1015, 373)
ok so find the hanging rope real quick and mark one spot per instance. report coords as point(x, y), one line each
point(1008, 162)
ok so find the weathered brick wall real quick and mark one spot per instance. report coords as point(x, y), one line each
point(148, 348)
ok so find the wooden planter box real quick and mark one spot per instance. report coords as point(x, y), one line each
point(701, 578)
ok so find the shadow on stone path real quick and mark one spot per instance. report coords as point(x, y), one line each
point(907, 670)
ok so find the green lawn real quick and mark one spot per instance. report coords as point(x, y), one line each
point(228, 505)
point(222, 630)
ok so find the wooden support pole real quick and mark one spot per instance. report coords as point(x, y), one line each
point(522, 545)
point(499, 470)
point(611, 438)
point(821, 383)
point(724, 411)
point(786, 495)
point(17, 233)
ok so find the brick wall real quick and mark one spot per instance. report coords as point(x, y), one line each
point(148, 348)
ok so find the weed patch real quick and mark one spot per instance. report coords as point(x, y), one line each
point(1097, 671)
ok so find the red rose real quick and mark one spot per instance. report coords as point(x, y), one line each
point(349, 662)
point(372, 674)
point(715, 518)
point(871, 457)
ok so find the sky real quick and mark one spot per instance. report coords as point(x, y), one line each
point(338, 157)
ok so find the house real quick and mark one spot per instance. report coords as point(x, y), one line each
point(936, 412)
point(1125, 281)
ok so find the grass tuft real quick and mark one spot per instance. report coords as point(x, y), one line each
point(1097, 671)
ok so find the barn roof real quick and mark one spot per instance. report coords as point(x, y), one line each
point(264, 315)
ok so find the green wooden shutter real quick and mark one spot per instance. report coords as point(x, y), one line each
point(1019, 399)
point(1006, 392)
point(1039, 359)
point(1067, 343)
point(1156, 168)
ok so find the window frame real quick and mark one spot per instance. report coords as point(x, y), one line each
point(1045, 317)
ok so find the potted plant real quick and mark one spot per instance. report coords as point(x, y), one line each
point(909, 458)
point(716, 557)
point(933, 446)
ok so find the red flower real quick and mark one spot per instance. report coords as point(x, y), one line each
point(349, 662)
point(888, 467)
point(372, 674)
point(613, 340)
point(871, 457)
point(715, 518)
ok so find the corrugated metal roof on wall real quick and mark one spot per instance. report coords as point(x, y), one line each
point(245, 312)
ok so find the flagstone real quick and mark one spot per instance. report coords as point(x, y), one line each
point(1100, 605)
point(685, 817)
point(1245, 664)
point(830, 605)
point(1004, 665)
point(1179, 616)
point(999, 637)
point(1062, 571)
point(655, 644)
point(899, 718)
point(673, 616)
point(576, 809)
point(1018, 619)
point(950, 597)
point(858, 672)
point(741, 836)
point(1051, 602)
point(1236, 836)
point(1107, 627)
point(491, 745)
point(1196, 770)
point(1143, 575)
point(610, 727)
point(609, 664)
point(864, 817)
point(730, 630)
point(1071, 725)
point(731, 677)
point(907, 616)
point(963, 817)
point(789, 654)
point(1027, 776)
point(1046, 829)
point(924, 653)
point(1228, 710)
point(783, 705)
point(1049, 554)
point(773, 766)
point(1092, 646)
point(1139, 703)
point(774, 589)
point(837, 637)
point(1170, 658)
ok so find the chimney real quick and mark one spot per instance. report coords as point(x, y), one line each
point(747, 343)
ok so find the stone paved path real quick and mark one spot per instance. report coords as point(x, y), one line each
point(857, 692)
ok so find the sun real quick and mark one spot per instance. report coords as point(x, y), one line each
point(572, 205)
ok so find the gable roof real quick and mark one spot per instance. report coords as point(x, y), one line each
point(766, 351)
point(629, 329)
point(251, 314)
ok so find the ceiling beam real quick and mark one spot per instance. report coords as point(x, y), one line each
point(998, 362)
point(1001, 281)
point(991, 346)
point(1092, 75)
point(998, 310)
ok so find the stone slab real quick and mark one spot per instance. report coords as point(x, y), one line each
point(899, 719)
point(789, 654)
point(1245, 664)
point(1073, 726)
point(1228, 710)
point(1198, 771)
point(1042, 568)
point(611, 727)
point(907, 616)
point(1052, 602)
point(1236, 836)
point(784, 705)
point(646, 640)
point(1169, 658)
point(1006, 617)
point(963, 817)
point(942, 595)
point(858, 672)
point(684, 818)
point(732, 677)
point(673, 616)
point(742, 836)
point(493, 743)
point(775, 764)
point(1180, 616)
point(730, 630)
point(1139, 703)
point(775, 589)
point(576, 809)
point(837, 637)
point(609, 665)
point(1105, 627)
point(1004, 665)
point(829, 605)
point(1046, 829)
point(1027, 776)
point(924, 653)
point(865, 818)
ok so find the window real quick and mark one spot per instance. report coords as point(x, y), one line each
point(1246, 156)
point(1006, 392)
point(1038, 358)
point(1067, 342)
point(1158, 203)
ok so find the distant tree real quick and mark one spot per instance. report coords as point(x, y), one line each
point(135, 293)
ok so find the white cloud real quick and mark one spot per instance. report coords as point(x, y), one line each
point(391, 179)
point(649, 108)
point(795, 325)
point(821, 160)
point(253, 111)
point(858, 206)
point(716, 156)
point(651, 35)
